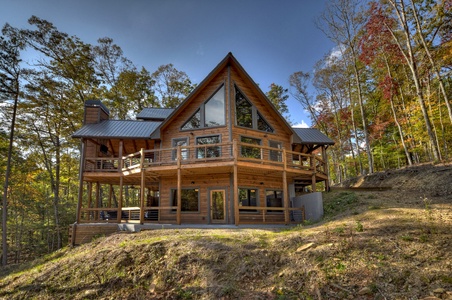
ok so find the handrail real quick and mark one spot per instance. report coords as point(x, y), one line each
point(258, 154)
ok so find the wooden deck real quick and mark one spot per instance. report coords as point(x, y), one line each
point(249, 163)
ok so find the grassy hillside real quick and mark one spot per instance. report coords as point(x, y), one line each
point(394, 244)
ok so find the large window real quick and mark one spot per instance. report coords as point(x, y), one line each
point(248, 197)
point(211, 151)
point(274, 199)
point(250, 151)
point(247, 115)
point(210, 114)
point(214, 112)
point(189, 199)
point(183, 142)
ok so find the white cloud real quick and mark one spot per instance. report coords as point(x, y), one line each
point(301, 124)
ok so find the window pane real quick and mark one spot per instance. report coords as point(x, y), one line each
point(247, 197)
point(207, 152)
point(275, 155)
point(189, 199)
point(274, 199)
point(243, 110)
point(194, 122)
point(249, 151)
point(214, 110)
point(262, 125)
point(183, 142)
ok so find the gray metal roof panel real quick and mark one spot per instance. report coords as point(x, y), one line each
point(312, 136)
point(155, 113)
point(125, 129)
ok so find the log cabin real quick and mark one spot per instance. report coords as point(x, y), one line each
point(225, 155)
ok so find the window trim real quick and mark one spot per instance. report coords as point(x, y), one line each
point(174, 201)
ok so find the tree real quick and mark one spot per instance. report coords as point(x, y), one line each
point(171, 85)
point(404, 41)
point(341, 22)
point(278, 96)
point(10, 76)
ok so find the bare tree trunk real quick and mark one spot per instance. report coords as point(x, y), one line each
point(430, 58)
point(409, 57)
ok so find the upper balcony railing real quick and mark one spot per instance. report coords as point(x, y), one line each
point(222, 152)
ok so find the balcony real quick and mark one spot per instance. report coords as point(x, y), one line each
point(202, 156)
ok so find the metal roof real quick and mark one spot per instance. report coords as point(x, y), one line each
point(155, 113)
point(312, 136)
point(117, 129)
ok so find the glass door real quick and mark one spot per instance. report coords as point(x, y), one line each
point(217, 206)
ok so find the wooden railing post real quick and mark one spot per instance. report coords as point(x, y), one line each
point(121, 183)
point(236, 188)
point(142, 186)
point(179, 185)
point(285, 189)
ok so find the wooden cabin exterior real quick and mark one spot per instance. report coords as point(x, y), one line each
point(224, 156)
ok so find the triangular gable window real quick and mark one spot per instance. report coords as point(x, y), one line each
point(247, 114)
point(194, 122)
point(262, 124)
point(210, 114)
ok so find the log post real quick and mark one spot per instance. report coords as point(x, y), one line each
point(285, 190)
point(313, 179)
point(179, 185)
point(142, 186)
point(236, 188)
point(80, 178)
point(121, 183)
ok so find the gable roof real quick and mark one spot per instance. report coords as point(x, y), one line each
point(154, 113)
point(312, 136)
point(229, 59)
point(117, 129)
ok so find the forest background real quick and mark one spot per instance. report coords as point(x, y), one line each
point(383, 95)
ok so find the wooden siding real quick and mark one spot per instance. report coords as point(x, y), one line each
point(173, 129)
point(94, 115)
point(204, 183)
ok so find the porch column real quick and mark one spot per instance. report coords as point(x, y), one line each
point(80, 179)
point(90, 197)
point(142, 186)
point(236, 188)
point(121, 182)
point(313, 179)
point(326, 168)
point(96, 213)
point(179, 196)
point(285, 190)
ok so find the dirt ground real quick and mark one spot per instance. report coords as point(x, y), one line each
point(390, 244)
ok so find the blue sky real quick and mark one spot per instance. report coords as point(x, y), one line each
point(270, 38)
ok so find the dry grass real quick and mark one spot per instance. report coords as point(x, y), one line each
point(371, 245)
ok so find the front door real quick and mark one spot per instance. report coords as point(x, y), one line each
point(217, 206)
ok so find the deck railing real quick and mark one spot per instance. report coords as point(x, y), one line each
point(261, 155)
